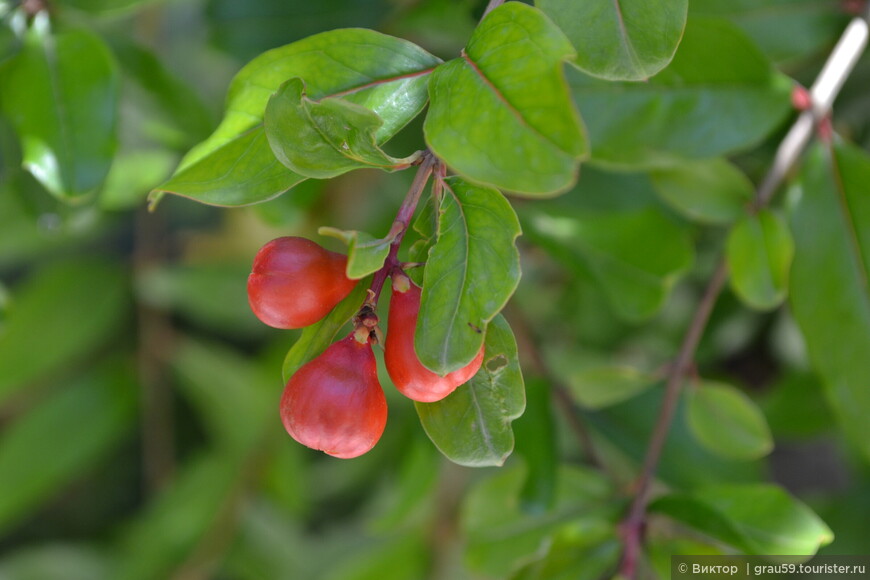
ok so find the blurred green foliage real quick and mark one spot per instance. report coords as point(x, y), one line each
point(139, 432)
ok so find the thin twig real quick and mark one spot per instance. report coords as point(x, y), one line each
point(428, 162)
point(838, 67)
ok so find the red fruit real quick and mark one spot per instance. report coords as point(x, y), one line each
point(407, 372)
point(335, 402)
point(295, 282)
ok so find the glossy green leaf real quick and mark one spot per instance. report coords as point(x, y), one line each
point(677, 114)
point(236, 166)
point(52, 445)
point(59, 316)
point(599, 386)
point(60, 92)
point(325, 138)
point(759, 253)
point(501, 114)
point(727, 422)
point(635, 256)
point(172, 526)
point(499, 533)
point(243, 171)
point(231, 395)
point(709, 191)
point(536, 443)
point(625, 40)
point(471, 272)
point(472, 425)
point(365, 253)
point(317, 337)
point(757, 519)
point(830, 294)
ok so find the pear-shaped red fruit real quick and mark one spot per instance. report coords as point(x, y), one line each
point(335, 403)
point(407, 372)
point(295, 282)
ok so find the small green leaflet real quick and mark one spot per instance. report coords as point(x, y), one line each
point(708, 191)
point(472, 271)
point(365, 253)
point(501, 114)
point(727, 422)
point(472, 425)
point(759, 252)
point(323, 139)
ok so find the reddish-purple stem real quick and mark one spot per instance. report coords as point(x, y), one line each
point(401, 224)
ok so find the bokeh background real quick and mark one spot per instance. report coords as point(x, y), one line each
point(138, 394)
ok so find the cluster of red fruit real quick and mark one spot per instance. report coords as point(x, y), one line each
point(335, 402)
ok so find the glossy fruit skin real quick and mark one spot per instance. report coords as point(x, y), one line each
point(411, 378)
point(335, 403)
point(294, 282)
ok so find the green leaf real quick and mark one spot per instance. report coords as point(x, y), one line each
point(317, 337)
point(472, 271)
point(830, 293)
point(627, 40)
point(243, 171)
point(635, 256)
point(54, 444)
point(677, 114)
point(501, 114)
point(325, 138)
point(59, 316)
point(365, 253)
point(236, 166)
point(535, 435)
point(757, 519)
point(709, 191)
point(599, 386)
point(785, 30)
point(727, 422)
point(61, 95)
point(472, 425)
point(499, 533)
point(759, 253)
